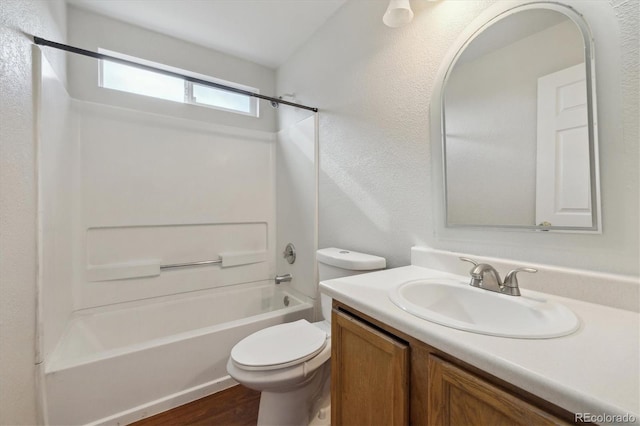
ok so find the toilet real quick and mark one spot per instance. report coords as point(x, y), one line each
point(290, 363)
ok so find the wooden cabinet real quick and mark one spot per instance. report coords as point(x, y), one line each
point(457, 397)
point(381, 376)
point(369, 374)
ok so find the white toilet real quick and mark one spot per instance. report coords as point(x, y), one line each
point(289, 363)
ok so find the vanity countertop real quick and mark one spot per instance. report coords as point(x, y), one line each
point(595, 370)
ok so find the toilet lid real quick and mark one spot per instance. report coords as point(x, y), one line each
point(279, 346)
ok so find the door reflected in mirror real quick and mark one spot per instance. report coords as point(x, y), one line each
point(519, 129)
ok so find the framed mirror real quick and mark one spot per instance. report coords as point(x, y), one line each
point(518, 124)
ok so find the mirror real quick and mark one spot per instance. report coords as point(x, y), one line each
point(518, 124)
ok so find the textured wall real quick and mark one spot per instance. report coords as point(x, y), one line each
point(373, 85)
point(19, 20)
point(628, 172)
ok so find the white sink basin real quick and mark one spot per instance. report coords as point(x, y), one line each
point(456, 304)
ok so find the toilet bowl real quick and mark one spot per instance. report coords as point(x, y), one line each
point(290, 363)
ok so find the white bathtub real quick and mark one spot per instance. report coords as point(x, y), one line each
point(118, 366)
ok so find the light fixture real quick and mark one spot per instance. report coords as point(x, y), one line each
point(398, 13)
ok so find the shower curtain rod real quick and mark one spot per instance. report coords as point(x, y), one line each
point(89, 53)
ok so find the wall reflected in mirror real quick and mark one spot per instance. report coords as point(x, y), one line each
point(519, 135)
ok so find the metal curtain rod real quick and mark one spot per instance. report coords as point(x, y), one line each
point(89, 53)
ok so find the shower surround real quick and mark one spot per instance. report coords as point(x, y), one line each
point(124, 192)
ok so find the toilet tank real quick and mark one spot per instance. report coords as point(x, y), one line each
point(337, 263)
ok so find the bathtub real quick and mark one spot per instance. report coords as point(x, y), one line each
point(118, 366)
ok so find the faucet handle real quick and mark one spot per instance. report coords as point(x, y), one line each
point(511, 280)
point(474, 270)
point(466, 259)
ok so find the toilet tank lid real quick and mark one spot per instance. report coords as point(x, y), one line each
point(347, 259)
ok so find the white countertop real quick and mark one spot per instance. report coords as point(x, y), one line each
point(594, 370)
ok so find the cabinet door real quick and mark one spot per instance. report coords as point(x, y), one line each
point(457, 397)
point(369, 375)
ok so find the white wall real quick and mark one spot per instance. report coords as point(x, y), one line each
point(491, 116)
point(19, 20)
point(373, 86)
point(91, 31)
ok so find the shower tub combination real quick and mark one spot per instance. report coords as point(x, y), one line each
point(118, 366)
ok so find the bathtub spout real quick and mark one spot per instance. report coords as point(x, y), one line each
point(283, 278)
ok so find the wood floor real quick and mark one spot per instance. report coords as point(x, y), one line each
point(236, 406)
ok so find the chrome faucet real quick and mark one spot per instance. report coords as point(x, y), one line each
point(487, 277)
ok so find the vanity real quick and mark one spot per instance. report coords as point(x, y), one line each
point(391, 367)
point(403, 380)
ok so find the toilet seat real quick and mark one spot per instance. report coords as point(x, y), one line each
point(279, 346)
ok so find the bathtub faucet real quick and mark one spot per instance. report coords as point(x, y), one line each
point(283, 278)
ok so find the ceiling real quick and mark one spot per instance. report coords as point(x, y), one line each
point(267, 32)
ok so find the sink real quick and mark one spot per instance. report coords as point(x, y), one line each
point(454, 303)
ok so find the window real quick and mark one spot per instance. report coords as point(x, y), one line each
point(210, 96)
point(127, 78)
